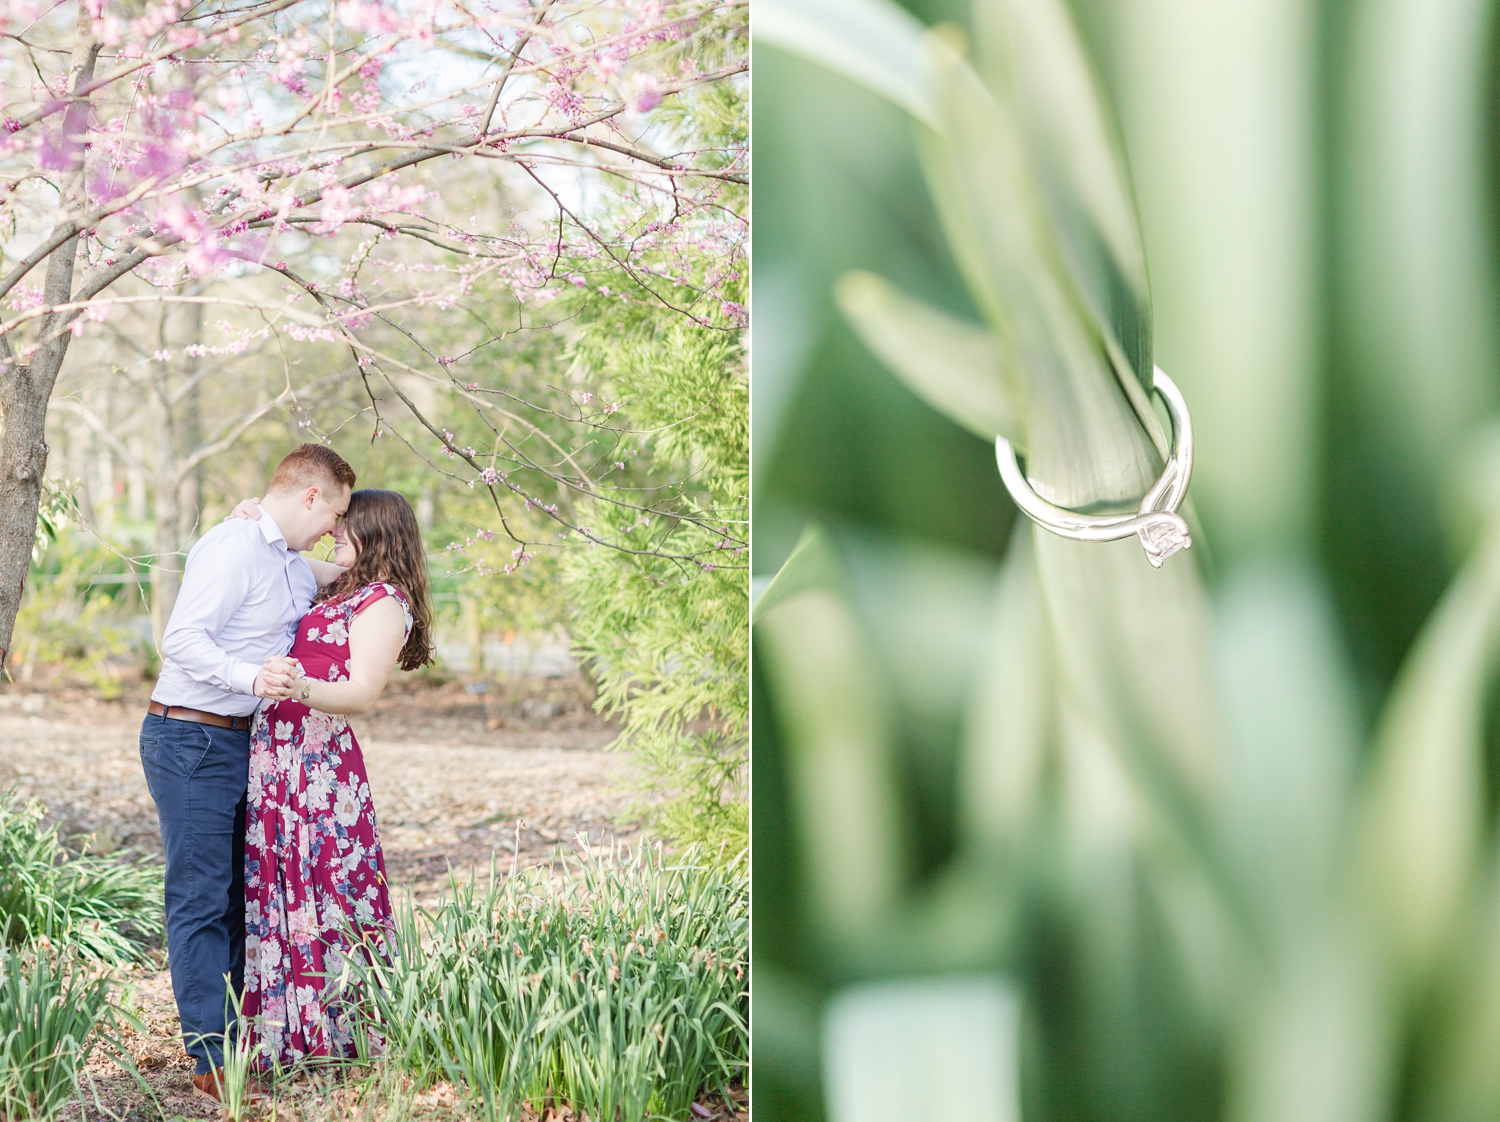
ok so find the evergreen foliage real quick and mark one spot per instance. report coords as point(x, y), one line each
point(668, 640)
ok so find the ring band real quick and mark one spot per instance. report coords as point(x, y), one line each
point(1161, 529)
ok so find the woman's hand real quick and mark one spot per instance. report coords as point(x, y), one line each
point(246, 508)
point(279, 678)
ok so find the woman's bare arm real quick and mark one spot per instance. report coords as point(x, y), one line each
point(326, 571)
point(375, 640)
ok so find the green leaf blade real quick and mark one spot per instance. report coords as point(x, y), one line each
point(1421, 812)
point(872, 42)
point(954, 366)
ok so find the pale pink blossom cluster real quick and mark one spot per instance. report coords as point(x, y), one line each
point(25, 297)
point(205, 132)
point(343, 147)
point(236, 346)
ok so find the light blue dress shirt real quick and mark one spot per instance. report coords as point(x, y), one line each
point(243, 592)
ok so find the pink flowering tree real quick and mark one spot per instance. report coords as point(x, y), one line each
point(351, 172)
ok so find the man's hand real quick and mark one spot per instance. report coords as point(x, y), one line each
point(276, 677)
point(246, 508)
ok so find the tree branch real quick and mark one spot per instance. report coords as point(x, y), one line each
point(97, 423)
point(150, 59)
point(515, 55)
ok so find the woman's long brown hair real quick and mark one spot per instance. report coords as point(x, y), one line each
point(389, 548)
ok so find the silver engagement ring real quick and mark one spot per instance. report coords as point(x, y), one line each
point(1161, 529)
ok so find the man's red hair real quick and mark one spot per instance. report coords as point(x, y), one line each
point(312, 465)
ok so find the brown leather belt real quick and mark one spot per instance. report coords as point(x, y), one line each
point(179, 713)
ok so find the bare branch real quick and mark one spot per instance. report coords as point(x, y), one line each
point(515, 55)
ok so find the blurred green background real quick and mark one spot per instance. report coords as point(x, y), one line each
point(1283, 905)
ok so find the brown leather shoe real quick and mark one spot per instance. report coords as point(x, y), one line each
point(210, 1085)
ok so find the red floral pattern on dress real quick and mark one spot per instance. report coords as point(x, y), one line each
point(313, 865)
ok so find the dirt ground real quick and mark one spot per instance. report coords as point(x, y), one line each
point(459, 779)
point(452, 772)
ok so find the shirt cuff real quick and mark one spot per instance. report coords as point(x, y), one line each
point(242, 677)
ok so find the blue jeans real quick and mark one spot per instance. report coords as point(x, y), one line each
point(198, 775)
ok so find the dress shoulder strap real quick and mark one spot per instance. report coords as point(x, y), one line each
point(379, 590)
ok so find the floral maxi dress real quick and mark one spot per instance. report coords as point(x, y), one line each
point(313, 865)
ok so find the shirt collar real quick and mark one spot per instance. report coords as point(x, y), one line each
point(271, 530)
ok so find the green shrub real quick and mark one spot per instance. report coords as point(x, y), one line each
point(664, 628)
point(106, 910)
point(68, 620)
point(617, 984)
point(53, 1010)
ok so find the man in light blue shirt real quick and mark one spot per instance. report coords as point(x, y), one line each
point(244, 588)
point(243, 591)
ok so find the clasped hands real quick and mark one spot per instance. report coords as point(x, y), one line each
point(278, 678)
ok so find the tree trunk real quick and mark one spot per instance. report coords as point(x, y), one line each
point(175, 421)
point(135, 481)
point(189, 427)
point(165, 570)
point(166, 567)
point(26, 387)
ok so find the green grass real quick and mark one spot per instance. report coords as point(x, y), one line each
point(53, 1009)
point(615, 983)
point(104, 909)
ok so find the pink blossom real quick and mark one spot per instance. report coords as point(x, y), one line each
point(24, 297)
point(337, 203)
point(648, 96)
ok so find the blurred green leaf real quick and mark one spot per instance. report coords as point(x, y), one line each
point(924, 613)
point(1133, 663)
point(1086, 442)
point(1420, 264)
point(924, 610)
point(1423, 803)
point(952, 365)
point(782, 334)
point(1418, 303)
point(913, 1048)
point(1457, 1078)
point(1033, 47)
point(812, 564)
point(1313, 1042)
point(1010, 718)
point(873, 42)
point(785, 1013)
point(828, 197)
point(1313, 1027)
point(1293, 741)
point(836, 732)
point(1222, 108)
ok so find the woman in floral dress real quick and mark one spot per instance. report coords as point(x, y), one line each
point(313, 867)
